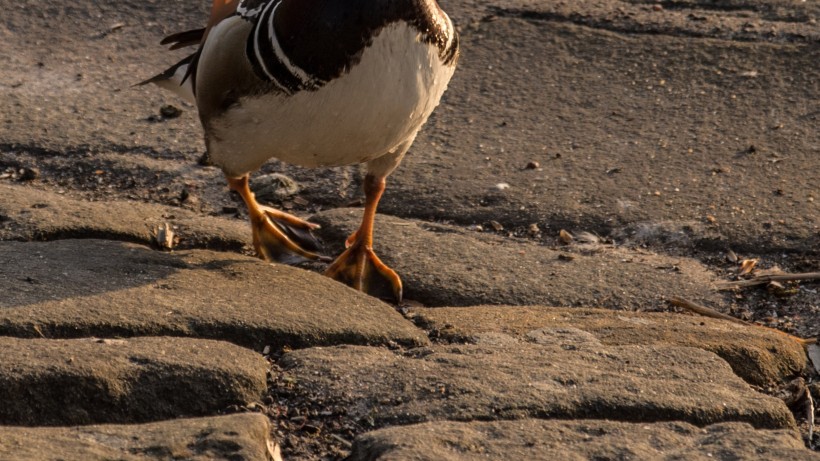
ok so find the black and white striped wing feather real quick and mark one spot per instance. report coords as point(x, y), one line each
point(265, 53)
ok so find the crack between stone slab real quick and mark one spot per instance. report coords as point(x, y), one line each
point(694, 5)
point(84, 149)
point(633, 27)
point(213, 243)
point(762, 11)
point(604, 228)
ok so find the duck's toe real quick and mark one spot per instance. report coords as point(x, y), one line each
point(360, 268)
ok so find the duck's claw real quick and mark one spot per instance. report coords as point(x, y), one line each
point(278, 236)
point(298, 230)
point(360, 268)
point(278, 240)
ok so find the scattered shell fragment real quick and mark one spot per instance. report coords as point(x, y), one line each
point(496, 226)
point(502, 186)
point(164, 236)
point(747, 266)
point(774, 270)
point(783, 291)
point(731, 256)
point(274, 452)
point(565, 237)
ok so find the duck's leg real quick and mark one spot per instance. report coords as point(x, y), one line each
point(277, 236)
point(358, 266)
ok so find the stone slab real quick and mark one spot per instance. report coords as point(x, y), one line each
point(566, 374)
point(85, 381)
point(235, 437)
point(541, 440)
point(78, 288)
point(759, 355)
point(776, 21)
point(616, 101)
point(30, 214)
point(444, 265)
point(629, 129)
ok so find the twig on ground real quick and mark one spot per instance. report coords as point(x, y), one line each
point(703, 310)
point(763, 279)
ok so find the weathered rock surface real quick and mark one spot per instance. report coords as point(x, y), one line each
point(84, 381)
point(776, 21)
point(688, 126)
point(76, 288)
point(630, 130)
point(665, 101)
point(567, 373)
point(532, 439)
point(760, 356)
point(43, 215)
point(236, 437)
point(448, 266)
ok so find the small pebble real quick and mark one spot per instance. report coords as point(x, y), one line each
point(502, 186)
point(205, 160)
point(533, 165)
point(274, 187)
point(169, 111)
point(29, 174)
point(565, 237)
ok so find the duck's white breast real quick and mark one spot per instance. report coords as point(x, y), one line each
point(380, 102)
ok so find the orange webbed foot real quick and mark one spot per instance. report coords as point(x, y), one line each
point(359, 267)
point(278, 236)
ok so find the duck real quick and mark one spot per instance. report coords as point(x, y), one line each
point(318, 84)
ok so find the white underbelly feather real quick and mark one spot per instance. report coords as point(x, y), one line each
point(382, 101)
